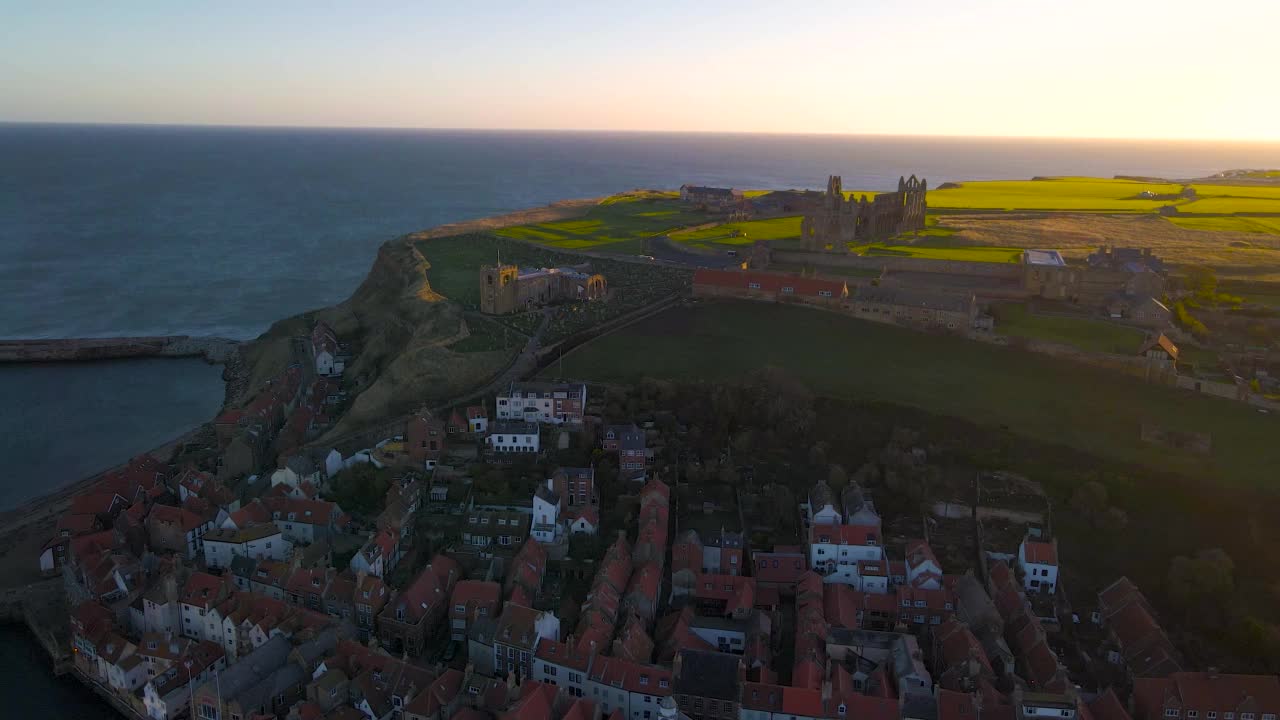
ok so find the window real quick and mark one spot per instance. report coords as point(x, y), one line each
point(1213, 715)
point(824, 293)
point(754, 285)
point(1246, 716)
point(1193, 713)
point(1171, 712)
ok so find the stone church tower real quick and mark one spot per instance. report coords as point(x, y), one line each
point(498, 289)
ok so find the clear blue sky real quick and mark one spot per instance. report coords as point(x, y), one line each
point(1083, 68)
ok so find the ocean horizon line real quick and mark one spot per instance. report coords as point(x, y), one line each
point(624, 132)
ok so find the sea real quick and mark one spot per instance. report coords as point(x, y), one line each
point(156, 230)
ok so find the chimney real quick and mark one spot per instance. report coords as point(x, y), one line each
point(676, 665)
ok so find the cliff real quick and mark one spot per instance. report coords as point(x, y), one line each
point(397, 327)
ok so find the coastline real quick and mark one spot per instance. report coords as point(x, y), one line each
point(215, 350)
point(25, 529)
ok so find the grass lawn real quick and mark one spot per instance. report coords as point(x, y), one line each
point(1269, 225)
point(958, 252)
point(742, 233)
point(455, 262)
point(487, 336)
point(1052, 194)
point(619, 219)
point(1035, 395)
point(1092, 335)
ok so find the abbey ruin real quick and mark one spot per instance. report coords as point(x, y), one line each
point(837, 220)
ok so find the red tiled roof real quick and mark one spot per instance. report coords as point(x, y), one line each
point(180, 517)
point(768, 282)
point(97, 503)
point(202, 589)
point(1107, 707)
point(803, 701)
point(1042, 553)
point(475, 593)
point(475, 412)
point(806, 674)
point(955, 706)
point(310, 512)
point(76, 524)
point(789, 566)
point(253, 513)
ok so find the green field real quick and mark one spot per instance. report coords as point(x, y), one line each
point(957, 252)
point(616, 224)
point(1078, 194)
point(1223, 204)
point(1035, 395)
point(1092, 335)
point(1268, 225)
point(742, 233)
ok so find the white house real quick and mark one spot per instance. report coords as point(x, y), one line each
point(822, 506)
point(514, 437)
point(923, 569)
point(553, 403)
point(586, 520)
point(324, 348)
point(256, 541)
point(477, 420)
point(160, 610)
point(836, 550)
point(305, 521)
point(119, 664)
point(1038, 561)
point(200, 595)
point(546, 514)
point(168, 695)
point(379, 555)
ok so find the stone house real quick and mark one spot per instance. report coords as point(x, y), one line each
point(265, 682)
point(516, 636)
point(411, 617)
point(177, 530)
point(472, 600)
point(425, 439)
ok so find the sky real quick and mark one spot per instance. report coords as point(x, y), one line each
point(1041, 68)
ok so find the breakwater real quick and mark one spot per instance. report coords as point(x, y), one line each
point(212, 349)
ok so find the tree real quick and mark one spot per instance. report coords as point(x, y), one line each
point(818, 454)
point(1205, 578)
point(1090, 498)
point(837, 478)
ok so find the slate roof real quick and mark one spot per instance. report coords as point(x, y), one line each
point(708, 675)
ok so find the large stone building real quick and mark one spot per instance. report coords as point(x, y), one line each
point(505, 289)
point(838, 220)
